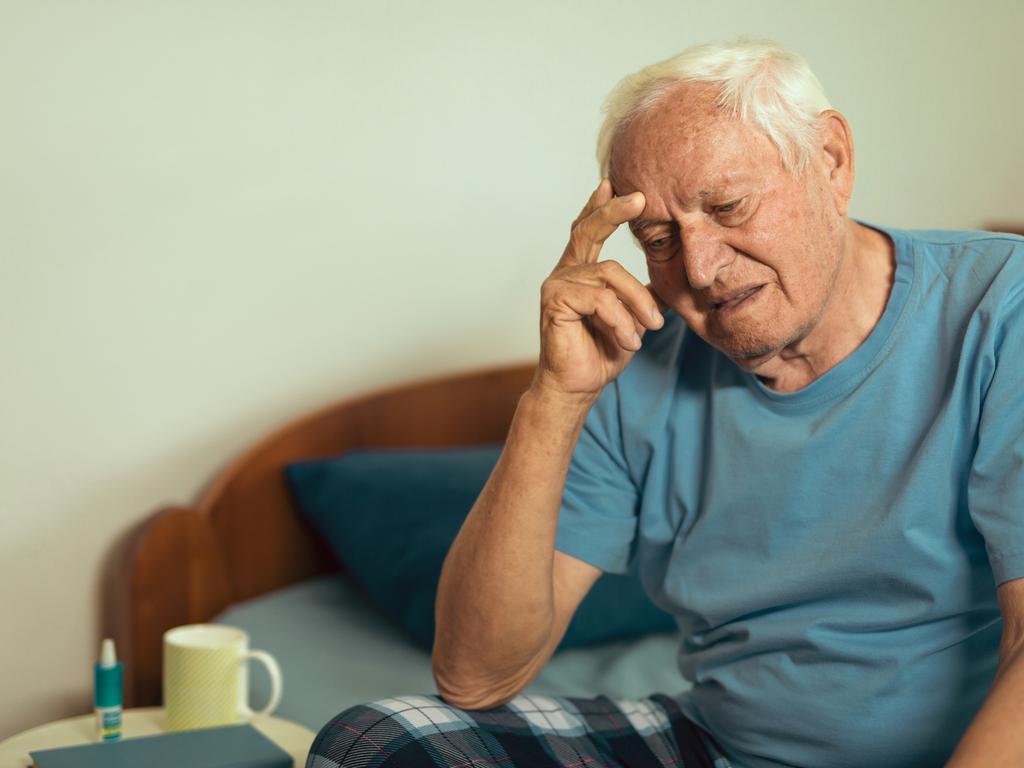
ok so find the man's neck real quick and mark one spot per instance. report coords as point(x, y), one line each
point(854, 308)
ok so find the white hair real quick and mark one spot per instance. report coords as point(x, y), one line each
point(759, 81)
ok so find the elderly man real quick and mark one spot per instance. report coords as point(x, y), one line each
point(806, 432)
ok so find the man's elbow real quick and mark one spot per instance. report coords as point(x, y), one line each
point(486, 700)
point(477, 695)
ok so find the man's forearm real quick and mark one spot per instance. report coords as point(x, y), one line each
point(995, 738)
point(495, 597)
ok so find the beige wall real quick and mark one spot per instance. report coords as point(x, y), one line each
point(214, 216)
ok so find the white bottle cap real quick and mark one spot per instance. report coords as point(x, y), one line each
point(108, 658)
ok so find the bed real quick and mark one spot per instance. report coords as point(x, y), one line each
point(244, 555)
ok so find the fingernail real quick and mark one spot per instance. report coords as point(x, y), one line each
point(656, 317)
point(636, 339)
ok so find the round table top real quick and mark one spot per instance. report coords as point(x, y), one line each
point(293, 738)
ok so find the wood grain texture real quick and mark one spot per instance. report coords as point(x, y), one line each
point(1011, 227)
point(178, 576)
point(245, 538)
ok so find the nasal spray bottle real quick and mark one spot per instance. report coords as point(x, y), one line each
point(109, 675)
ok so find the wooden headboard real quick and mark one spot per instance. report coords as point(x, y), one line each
point(244, 537)
point(1013, 227)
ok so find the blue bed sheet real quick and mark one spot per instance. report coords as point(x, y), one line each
point(336, 650)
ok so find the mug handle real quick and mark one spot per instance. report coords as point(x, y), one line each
point(270, 663)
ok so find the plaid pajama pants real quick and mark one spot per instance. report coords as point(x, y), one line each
point(528, 732)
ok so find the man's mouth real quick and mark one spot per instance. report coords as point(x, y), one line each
point(732, 301)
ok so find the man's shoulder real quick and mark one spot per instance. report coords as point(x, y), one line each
point(955, 238)
point(978, 267)
point(952, 244)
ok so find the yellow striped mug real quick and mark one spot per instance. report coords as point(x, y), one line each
point(206, 676)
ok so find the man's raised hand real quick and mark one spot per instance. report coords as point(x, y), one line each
point(593, 313)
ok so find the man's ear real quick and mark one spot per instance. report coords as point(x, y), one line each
point(837, 153)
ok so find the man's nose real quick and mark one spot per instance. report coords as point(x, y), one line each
point(705, 254)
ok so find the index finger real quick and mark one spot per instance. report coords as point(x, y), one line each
point(601, 195)
point(590, 232)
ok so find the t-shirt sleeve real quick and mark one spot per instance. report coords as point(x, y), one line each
point(996, 485)
point(598, 518)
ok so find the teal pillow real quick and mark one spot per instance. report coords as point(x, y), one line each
point(391, 515)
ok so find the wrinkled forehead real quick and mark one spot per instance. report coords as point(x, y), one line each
point(686, 146)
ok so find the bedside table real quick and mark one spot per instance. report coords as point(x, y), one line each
point(293, 738)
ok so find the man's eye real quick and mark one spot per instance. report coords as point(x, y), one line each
point(659, 249)
point(728, 207)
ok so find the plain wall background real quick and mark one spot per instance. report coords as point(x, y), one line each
point(215, 216)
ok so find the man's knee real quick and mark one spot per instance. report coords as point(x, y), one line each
point(424, 730)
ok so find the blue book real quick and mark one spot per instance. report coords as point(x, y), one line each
point(230, 746)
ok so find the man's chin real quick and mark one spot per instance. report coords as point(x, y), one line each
point(752, 360)
point(747, 351)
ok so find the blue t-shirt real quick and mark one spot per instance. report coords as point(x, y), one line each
point(831, 554)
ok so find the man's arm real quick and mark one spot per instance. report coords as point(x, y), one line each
point(996, 736)
point(505, 597)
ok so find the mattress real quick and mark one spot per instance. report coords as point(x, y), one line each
point(336, 650)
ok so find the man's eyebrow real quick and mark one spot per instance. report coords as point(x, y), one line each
point(639, 225)
point(724, 185)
